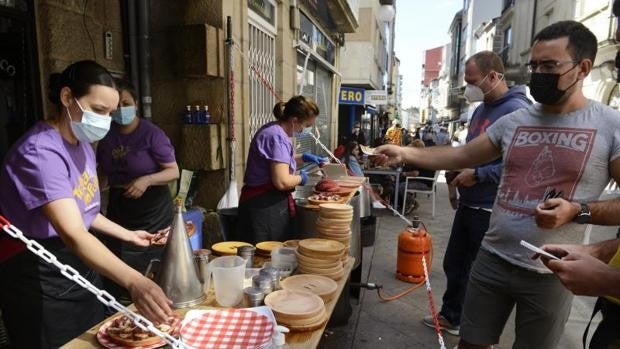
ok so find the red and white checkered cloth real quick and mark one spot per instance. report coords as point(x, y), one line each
point(228, 329)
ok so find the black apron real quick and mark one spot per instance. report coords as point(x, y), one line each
point(265, 217)
point(152, 211)
point(40, 307)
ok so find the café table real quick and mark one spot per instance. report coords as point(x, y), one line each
point(300, 340)
point(388, 171)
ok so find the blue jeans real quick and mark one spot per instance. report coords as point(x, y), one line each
point(468, 229)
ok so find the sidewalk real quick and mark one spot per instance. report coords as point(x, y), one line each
point(397, 324)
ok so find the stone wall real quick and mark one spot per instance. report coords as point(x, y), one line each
point(63, 28)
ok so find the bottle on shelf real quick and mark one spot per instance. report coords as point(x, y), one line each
point(196, 115)
point(207, 115)
point(187, 116)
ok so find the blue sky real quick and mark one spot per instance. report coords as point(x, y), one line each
point(420, 25)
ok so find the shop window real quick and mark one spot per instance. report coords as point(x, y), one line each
point(262, 56)
point(317, 83)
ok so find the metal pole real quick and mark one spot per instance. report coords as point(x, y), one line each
point(144, 57)
point(229, 76)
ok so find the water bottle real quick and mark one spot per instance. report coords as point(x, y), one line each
point(207, 115)
point(196, 115)
point(187, 117)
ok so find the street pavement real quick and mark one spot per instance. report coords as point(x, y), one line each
point(397, 324)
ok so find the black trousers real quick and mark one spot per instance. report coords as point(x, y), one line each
point(40, 307)
point(607, 334)
point(468, 229)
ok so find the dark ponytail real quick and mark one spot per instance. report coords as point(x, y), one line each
point(278, 111)
point(303, 108)
point(79, 77)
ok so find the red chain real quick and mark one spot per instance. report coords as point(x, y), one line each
point(265, 82)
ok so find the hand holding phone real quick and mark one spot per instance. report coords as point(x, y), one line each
point(538, 250)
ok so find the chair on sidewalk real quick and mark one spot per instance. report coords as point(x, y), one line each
point(432, 191)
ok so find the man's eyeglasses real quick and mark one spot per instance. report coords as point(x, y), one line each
point(546, 66)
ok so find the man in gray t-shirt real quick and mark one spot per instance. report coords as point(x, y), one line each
point(565, 146)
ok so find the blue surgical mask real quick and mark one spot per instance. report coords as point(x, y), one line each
point(93, 126)
point(124, 115)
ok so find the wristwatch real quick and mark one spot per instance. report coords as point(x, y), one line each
point(584, 216)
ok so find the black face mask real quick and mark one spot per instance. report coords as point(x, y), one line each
point(544, 87)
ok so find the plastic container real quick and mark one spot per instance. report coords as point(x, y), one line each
point(207, 115)
point(228, 274)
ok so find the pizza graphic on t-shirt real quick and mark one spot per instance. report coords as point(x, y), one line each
point(541, 159)
point(542, 169)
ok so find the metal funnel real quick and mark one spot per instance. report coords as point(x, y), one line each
point(178, 275)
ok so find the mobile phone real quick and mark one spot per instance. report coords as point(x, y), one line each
point(538, 250)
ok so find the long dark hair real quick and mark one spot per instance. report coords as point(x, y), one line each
point(301, 107)
point(348, 151)
point(79, 77)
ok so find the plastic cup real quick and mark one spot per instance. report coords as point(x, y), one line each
point(228, 273)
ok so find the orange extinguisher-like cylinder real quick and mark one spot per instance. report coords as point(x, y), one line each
point(413, 243)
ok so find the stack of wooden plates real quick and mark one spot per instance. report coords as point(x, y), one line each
point(321, 286)
point(334, 223)
point(264, 248)
point(227, 248)
point(297, 310)
point(321, 257)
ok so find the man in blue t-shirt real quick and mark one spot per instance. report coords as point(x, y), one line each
point(484, 74)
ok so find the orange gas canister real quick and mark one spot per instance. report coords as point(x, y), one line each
point(413, 243)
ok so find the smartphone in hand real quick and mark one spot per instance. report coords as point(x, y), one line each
point(538, 250)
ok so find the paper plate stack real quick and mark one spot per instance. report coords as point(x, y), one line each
point(334, 223)
point(227, 248)
point(297, 310)
point(264, 248)
point(321, 286)
point(321, 257)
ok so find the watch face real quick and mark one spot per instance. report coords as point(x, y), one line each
point(584, 216)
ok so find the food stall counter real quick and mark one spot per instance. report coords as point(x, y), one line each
point(308, 339)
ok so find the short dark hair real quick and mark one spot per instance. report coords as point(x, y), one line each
point(582, 43)
point(126, 85)
point(487, 61)
point(79, 77)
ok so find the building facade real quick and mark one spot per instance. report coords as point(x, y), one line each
point(281, 48)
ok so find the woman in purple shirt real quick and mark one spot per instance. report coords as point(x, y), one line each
point(266, 204)
point(137, 159)
point(50, 191)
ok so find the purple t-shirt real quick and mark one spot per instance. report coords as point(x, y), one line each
point(269, 144)
point(125, 157)
point(43, 167)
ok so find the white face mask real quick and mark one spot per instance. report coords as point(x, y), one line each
point(93, 126)
point(473, 93)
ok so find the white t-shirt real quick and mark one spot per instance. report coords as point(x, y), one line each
point(542, 152)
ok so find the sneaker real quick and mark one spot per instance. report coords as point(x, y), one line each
point(444, 324)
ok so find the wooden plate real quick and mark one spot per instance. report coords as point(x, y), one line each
point(347, 184)
point(291, 243)
point(321, 246)
point(265, 247)
point(322, 286)
point(294, 304)
point(312, 269)
point(302, 260)
point(336, 207)
point(320, 202)
point(308, 327)
point(228, 248)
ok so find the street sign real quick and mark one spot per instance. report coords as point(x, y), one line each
point(351, 96)
point(376, 97)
